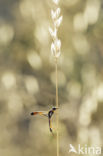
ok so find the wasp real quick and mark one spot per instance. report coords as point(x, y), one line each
point(48, 114)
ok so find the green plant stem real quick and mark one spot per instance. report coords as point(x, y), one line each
point(57, 105)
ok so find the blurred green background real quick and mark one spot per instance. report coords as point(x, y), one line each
point(27, 76)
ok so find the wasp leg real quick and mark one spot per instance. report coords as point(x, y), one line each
point(50, 126)
point(45, 115)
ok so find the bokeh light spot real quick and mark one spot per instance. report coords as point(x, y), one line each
point(32, 85)
point(6, 34)
point(8, 79)
point(34, 60)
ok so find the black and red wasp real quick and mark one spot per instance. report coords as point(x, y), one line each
point(48, 114)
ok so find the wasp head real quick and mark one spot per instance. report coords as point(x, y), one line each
point(54, 108)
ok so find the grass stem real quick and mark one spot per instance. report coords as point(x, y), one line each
point(57, 105)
